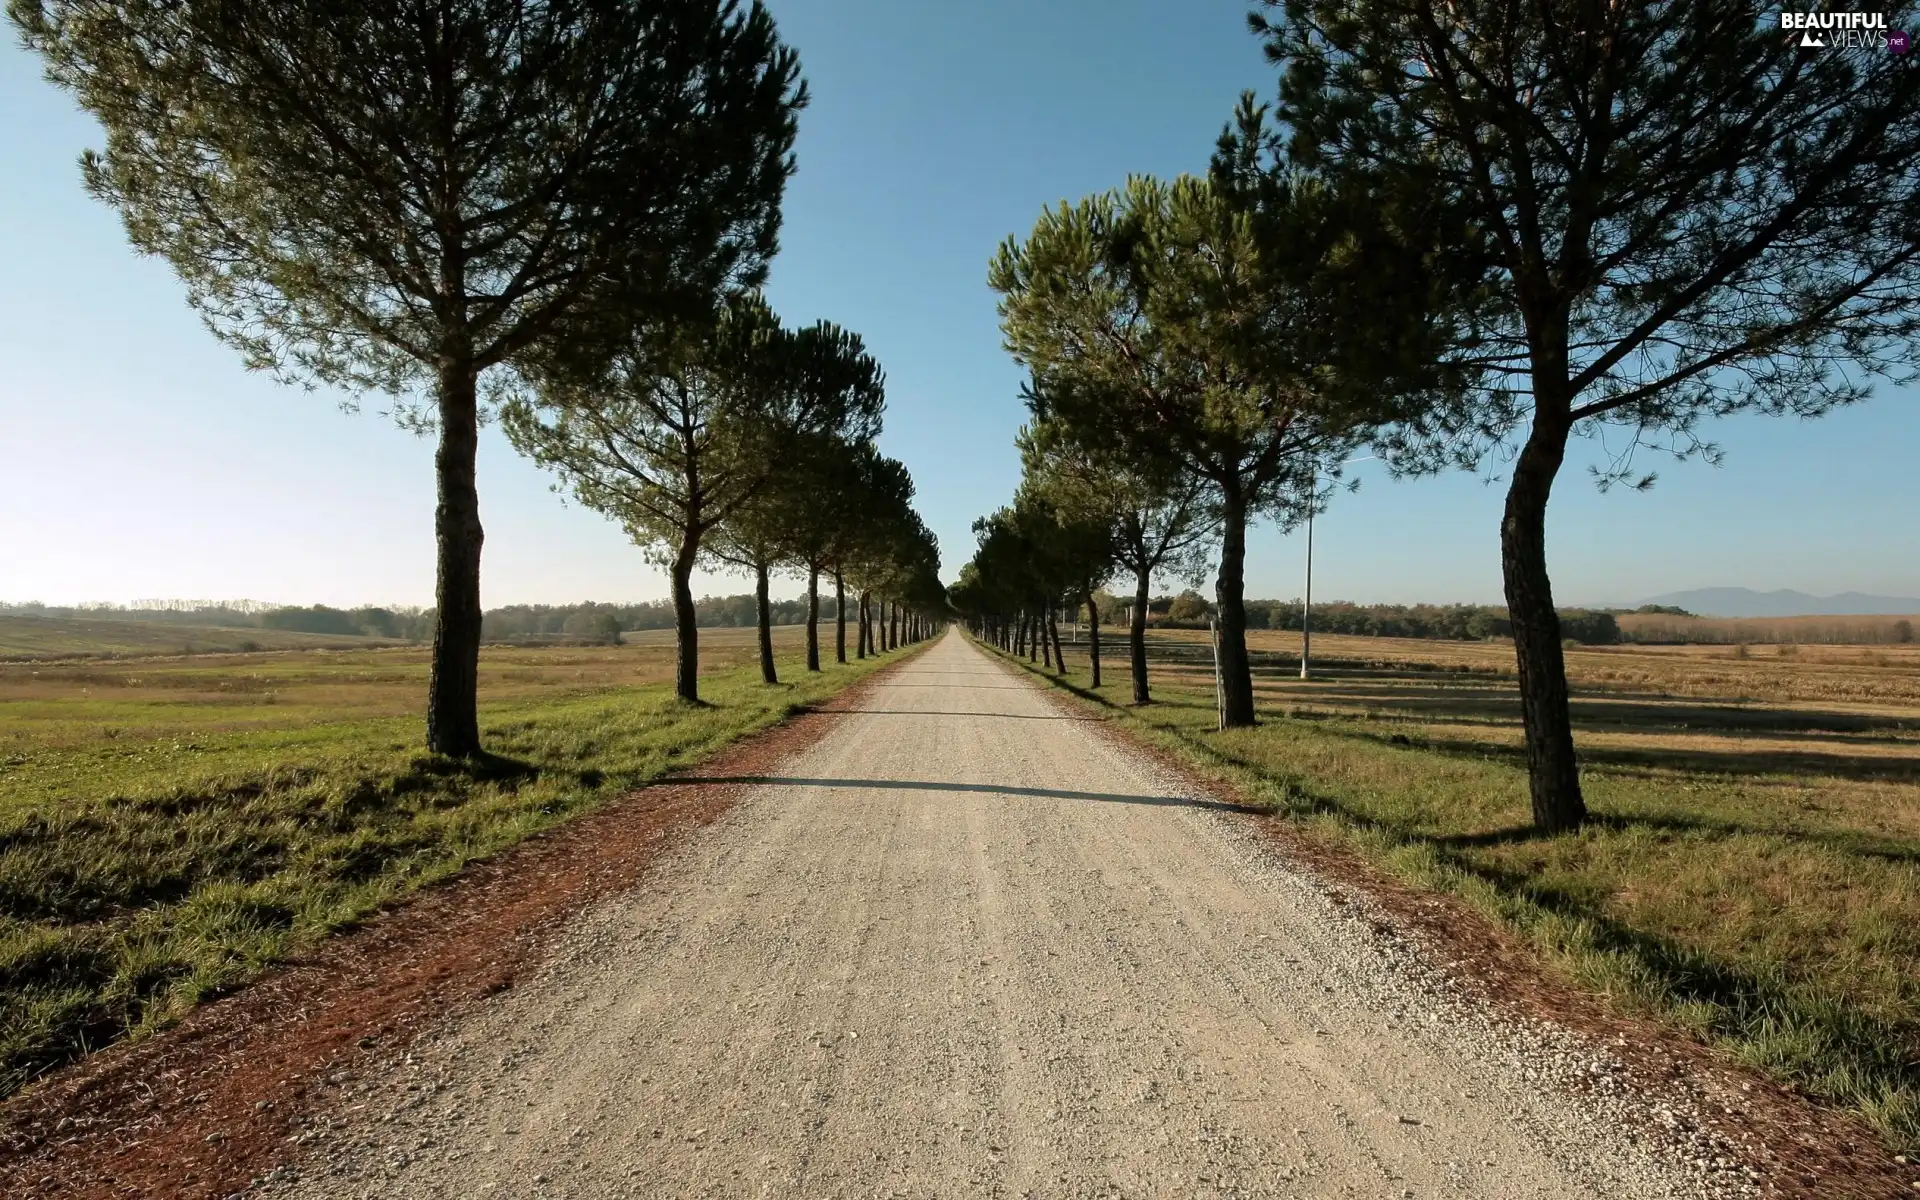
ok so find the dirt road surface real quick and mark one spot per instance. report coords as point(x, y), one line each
point(969, 945)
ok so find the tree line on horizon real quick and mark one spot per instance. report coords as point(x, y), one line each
point(588, 620)
point(1464, 235)
point(559, 215)
point(1438, 622)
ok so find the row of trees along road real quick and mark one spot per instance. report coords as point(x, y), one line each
point(448, 199)
point(746, 443)
point(1470, 232)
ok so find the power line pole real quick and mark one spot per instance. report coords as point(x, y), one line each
point(1306, 602)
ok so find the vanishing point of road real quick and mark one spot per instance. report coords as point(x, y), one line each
point(968, 944)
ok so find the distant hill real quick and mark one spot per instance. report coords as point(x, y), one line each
point(1745, 602)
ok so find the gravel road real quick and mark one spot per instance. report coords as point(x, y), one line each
point(969, 945)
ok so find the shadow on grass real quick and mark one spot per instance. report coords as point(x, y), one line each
point(485, 767)
point(1690, 759)
point(1607, 710)
point(1485, 697)
point(1839, 842)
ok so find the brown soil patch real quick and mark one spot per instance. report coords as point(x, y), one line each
point(211, 1104)
point(1799, 1149)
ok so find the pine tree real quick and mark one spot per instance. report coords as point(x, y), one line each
point(1672, 212)
point(403, 194)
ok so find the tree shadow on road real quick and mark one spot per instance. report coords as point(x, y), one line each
point(935, 712)
point(925, 785)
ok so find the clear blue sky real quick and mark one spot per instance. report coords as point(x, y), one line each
point(139, 460)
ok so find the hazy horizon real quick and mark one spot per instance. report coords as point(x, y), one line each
point(798, 590)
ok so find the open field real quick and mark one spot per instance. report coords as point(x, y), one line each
point(30, 638)
point(1753, 871)
point(1822, 674)
point(170, 826)
point(1659, 627)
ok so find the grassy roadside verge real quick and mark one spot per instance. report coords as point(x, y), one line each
point(1771, 916)
point(141, 876)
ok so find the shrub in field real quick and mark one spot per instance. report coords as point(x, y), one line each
point(1189, 606)
point(318, 619)
point(1588, 628)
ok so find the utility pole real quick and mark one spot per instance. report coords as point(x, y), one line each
point(1306, 602)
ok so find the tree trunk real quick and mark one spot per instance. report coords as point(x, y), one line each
point(864, 640)
point(1093, 634)
point(1053, 631)
point(839, 615)
point(1236, 674)
point(813, 617)
point(686, 625)
point(893, 625)
point(453, 684)
point(766, 624)
point(1046, 643)
point(1553, 773)
point(1137, 634)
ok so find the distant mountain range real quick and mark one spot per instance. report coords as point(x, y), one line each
point(1745, 602)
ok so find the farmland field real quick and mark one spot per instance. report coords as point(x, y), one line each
point(34, 638)
point(1753, 869)
point(1665, 627)
point(168, 826)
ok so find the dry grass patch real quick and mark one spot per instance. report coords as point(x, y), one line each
point(33, 638)
point(1893, 630)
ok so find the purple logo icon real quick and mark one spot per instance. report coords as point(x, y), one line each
point(1898, 42)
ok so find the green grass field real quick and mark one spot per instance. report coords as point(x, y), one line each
point(168, 827)
point(1753, 871)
